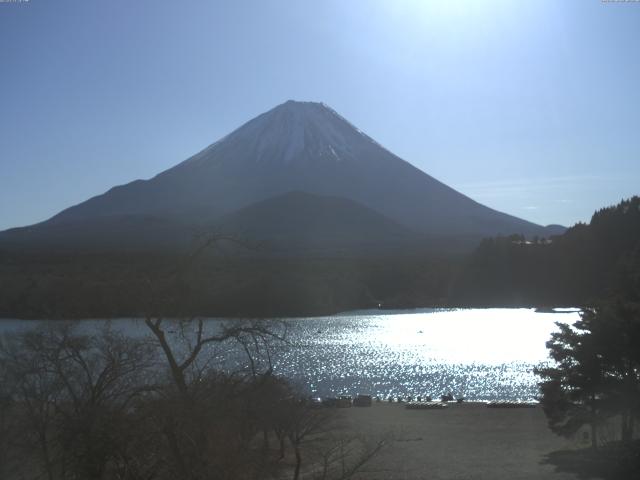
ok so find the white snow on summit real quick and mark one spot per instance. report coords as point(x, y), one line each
point(293, 131)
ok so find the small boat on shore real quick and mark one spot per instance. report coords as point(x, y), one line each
point(511, 404)
point(425, 405)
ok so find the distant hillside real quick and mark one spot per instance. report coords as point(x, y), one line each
point(108, 233)
point(585, 263)
point(302, 222)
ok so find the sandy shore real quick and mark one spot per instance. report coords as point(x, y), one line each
point(464, 442)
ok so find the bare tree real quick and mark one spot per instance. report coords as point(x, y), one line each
point(318, 433)
point(70, 395)
point(343, 456)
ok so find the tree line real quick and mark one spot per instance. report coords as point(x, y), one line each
point(588, 262)
point(70, 286)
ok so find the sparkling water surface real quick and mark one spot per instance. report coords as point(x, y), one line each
point(478, 354)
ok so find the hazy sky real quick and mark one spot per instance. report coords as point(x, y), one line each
point(530, 107)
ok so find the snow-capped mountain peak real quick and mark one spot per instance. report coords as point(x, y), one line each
point(292, 132)
point(305, 147)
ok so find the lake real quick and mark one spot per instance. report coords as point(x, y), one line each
point(479, 354)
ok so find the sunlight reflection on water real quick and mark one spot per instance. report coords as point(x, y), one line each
point(480, 354)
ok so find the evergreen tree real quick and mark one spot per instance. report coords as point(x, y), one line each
point(597, 371)
point(571, 390)
point(615, 328)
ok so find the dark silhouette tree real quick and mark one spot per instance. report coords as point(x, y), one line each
point(596, 373)
point(571, 390)
point(615, 330)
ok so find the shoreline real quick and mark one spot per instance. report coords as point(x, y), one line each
point(559, 309)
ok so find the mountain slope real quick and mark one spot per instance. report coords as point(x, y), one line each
point(302, 222)
point(124, 232)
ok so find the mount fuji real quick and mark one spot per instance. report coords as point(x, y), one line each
point(246, 179)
